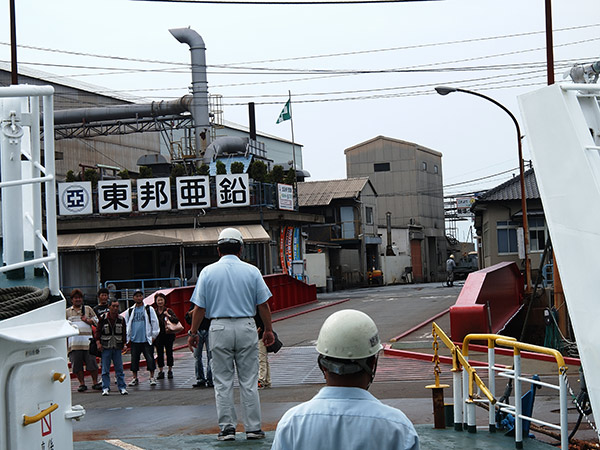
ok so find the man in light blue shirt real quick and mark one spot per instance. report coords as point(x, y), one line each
point(229, 292)
point(343, 415)
point(142, 330)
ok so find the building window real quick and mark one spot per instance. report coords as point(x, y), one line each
point(424, 166)
point(368, 215)
point(381, 167)
point(537, 234)
point(507, 237)
point(436, 169)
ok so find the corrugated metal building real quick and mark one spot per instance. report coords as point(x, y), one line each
point(120, 151)
point(97, 248)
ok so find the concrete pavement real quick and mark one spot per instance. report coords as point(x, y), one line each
point(175, 415)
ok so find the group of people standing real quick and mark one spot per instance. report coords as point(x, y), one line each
point(142, 326)
point(227, 296)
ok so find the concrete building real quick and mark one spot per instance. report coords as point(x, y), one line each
point(408, 181)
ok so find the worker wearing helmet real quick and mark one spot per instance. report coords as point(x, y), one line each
point(229, 292)
point(343, 415)
point(450, 266)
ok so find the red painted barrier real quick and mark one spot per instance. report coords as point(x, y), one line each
point(287, 291)
point(487, 301)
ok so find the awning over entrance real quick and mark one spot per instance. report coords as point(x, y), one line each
point(252, 234)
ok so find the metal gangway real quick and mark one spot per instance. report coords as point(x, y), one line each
point(467, 385)
point(562, 131)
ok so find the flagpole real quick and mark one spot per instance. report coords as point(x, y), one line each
point(293, 152)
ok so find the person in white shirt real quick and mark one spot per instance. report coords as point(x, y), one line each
point(450, 266)
point(229, 292)
point(343, 415)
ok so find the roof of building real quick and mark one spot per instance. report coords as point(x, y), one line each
point(511, 189)
point(321, 193)
point(398, 141)
point(71, 83)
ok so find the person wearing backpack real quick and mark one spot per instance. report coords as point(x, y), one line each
point(142, 330)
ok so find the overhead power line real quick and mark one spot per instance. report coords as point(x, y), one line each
point(412, 47)
point(462, 183)
point(289, 71)
point(481, 83)
point(277, 2)
point(297, 58)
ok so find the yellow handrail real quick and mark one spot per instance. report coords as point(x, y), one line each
point(458, 358)
point(490, 338)
point(518, 346)
point(28, 420)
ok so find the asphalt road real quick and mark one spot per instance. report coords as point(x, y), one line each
point(394, 309)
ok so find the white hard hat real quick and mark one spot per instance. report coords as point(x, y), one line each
point(452, 256)
point(349, 334)
point(230, 235)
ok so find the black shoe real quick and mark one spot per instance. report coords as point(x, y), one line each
point(170, 374)
point(210, 384)
point(97, 386)
point(260, 434)
point(199, 384)
point(228, 434)
point(161, 376)
point(82, 388)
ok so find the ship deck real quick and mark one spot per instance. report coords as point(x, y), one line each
point(430, 439)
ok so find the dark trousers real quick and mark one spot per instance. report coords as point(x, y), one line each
point(137, 348)
point(164, 343)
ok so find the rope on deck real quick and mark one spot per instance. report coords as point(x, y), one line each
point(21, 299)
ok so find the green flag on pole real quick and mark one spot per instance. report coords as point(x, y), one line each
point(286, 113)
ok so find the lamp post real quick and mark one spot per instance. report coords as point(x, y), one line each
point(443, 90)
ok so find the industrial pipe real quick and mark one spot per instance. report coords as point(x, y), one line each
point(154, 109)
point(199, 84)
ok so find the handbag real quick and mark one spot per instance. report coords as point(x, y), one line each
point(173, 328)
point(275, 346)
point(94, 348)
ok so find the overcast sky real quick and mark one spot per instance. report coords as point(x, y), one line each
point(492, 46)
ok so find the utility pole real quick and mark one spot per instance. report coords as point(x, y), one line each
point(13, 43)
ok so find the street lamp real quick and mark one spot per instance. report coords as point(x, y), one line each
point(445, 90)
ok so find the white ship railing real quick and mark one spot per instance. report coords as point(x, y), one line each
point(21, 111)
point(465, 398)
